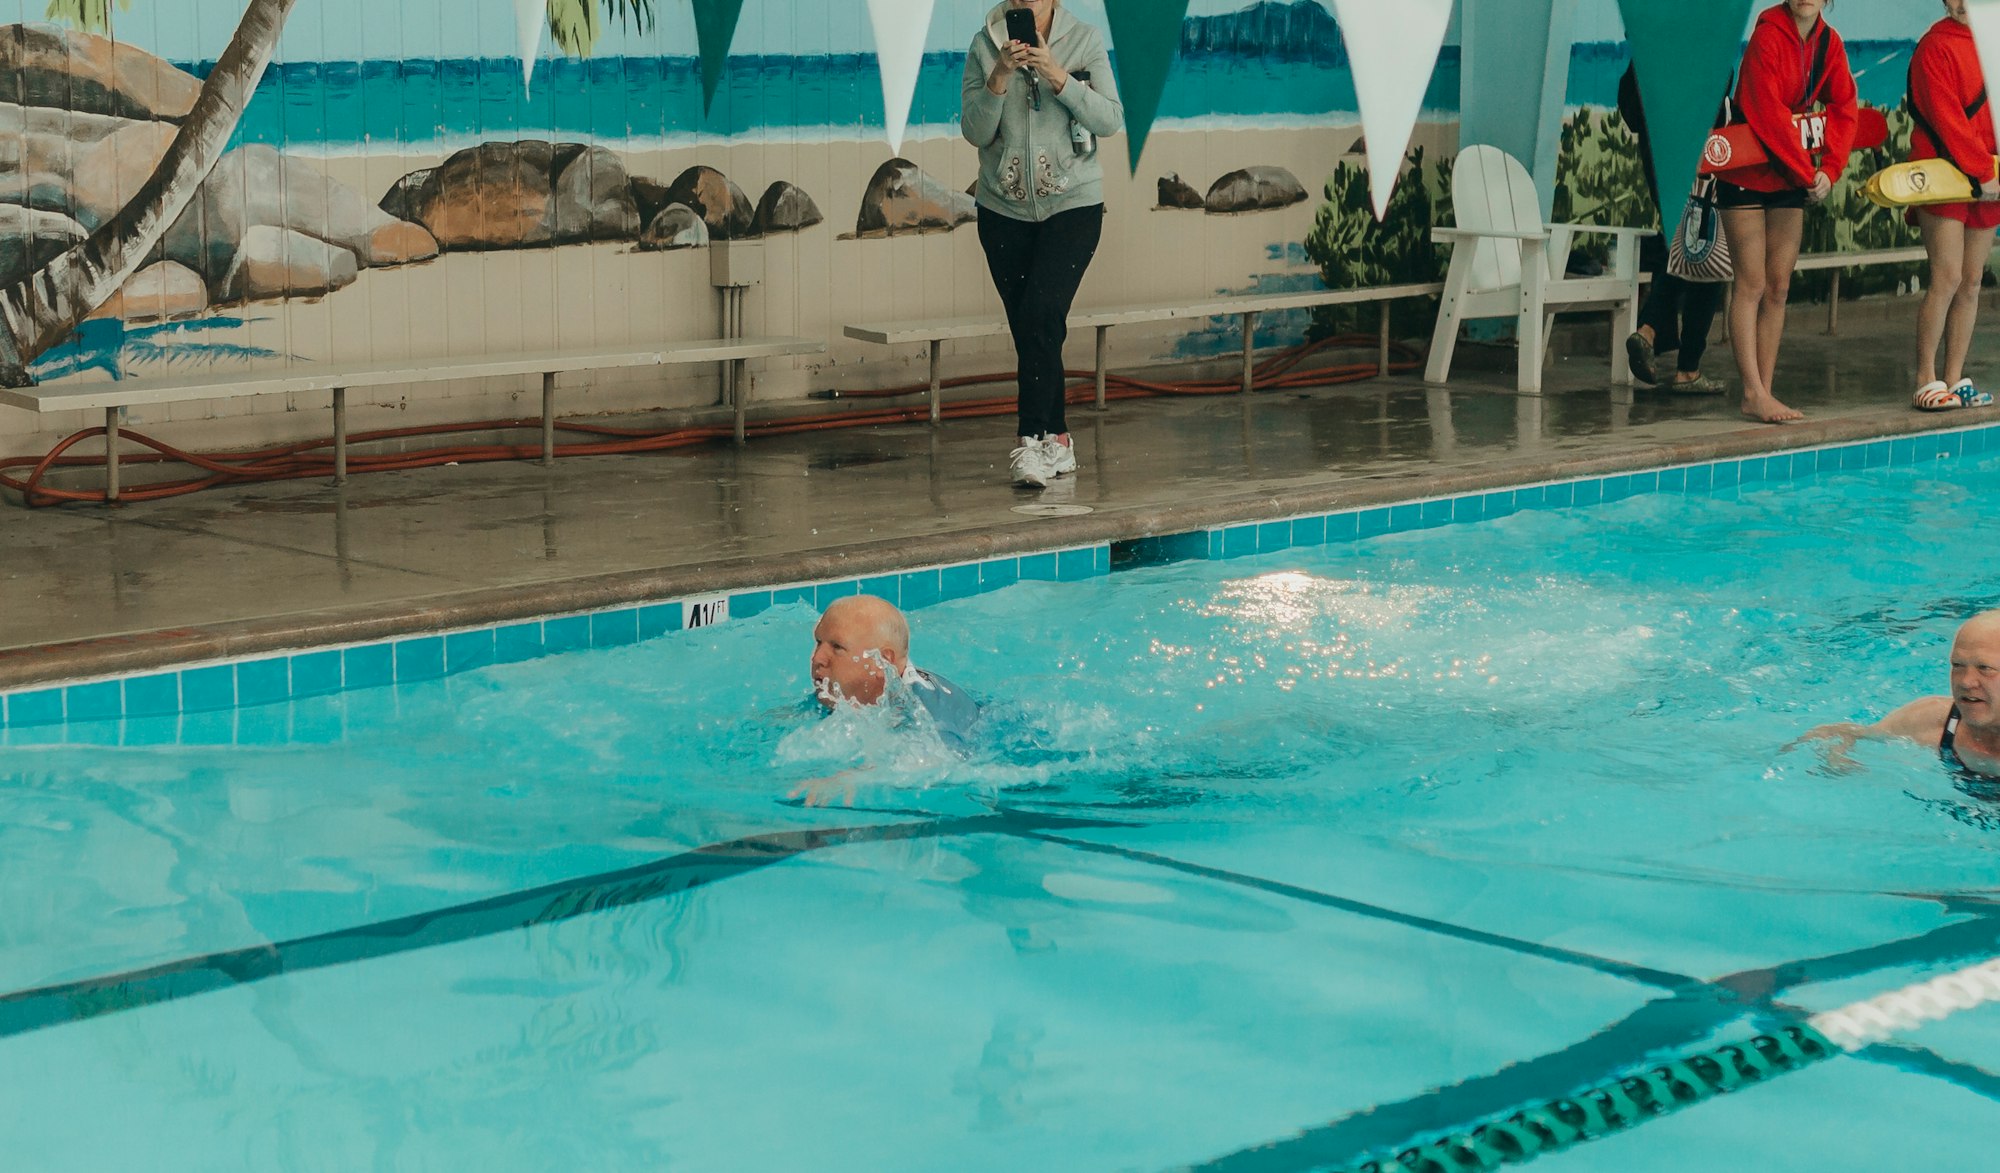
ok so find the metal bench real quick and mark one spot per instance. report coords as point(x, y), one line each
point(936, 332)
point(111, 396)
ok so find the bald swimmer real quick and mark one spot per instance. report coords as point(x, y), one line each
point(862, 638)
point(1965, 726)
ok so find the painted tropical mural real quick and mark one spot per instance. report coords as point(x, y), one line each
point(210, 183)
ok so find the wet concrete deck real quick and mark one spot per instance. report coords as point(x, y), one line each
point(242, 570)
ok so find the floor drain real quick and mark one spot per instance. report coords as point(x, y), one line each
point(1051, 510)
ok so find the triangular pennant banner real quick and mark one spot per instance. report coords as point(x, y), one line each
point(1146, 34)
point(1392, 50)
point(901, 27)
point(532, 15)
point(714, 29)
point(1984, 16)
point(1683, 56)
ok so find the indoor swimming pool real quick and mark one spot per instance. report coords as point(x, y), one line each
point(1262, 862)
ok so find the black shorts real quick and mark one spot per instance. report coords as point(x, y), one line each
point(1728, 195)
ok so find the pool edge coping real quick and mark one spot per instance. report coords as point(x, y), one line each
point(96, 661)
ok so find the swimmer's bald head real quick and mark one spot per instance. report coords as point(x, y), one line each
point(1975, 670)
point(855, 639)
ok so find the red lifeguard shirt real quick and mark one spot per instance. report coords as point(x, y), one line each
point(1945, 79)
point(1771, 89)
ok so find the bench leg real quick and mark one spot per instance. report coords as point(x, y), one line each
point(548, 419)
point(739, 390)
point(340, 435)
point(1833, 305)
point(1103, 345)
point(1382, 355)
point(937, 382)
point(1249, 351)
point(110, 455)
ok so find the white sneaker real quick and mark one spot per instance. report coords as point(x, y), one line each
point(1061, 457)
point(1030, 464)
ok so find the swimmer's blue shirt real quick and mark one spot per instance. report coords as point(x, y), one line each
point(952, 710)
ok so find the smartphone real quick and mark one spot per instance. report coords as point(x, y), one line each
point(1021, 26)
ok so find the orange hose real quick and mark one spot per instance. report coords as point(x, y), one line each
point(309, 458)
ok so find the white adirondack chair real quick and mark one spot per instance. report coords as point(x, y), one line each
point(1505, 263)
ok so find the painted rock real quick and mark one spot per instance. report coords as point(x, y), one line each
point(494, 195)
point(676, 226)
point(31, 238)
point(1176, 193)
point(786, 208)
point(45, 66)
point(591, 198)
point(1255, 189)
point(158, 293)
point(717, 200)
point(256, 186)
point(901, 198)
point(277, 262)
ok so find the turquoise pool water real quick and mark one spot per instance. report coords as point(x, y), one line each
point(1262, 865)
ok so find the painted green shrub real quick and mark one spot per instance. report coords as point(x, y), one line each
point(1354, 252)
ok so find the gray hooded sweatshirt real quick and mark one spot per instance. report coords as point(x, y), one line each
point(1030, 167)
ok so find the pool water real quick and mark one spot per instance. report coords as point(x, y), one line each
point(1259, 865)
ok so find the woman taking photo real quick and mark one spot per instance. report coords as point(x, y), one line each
point(1796, 64)
point(1948, 101)
point(1035, 108)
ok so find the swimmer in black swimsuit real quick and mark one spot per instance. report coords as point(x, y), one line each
point(1965, 726)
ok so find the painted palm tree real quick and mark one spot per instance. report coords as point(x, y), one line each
point(40, 310)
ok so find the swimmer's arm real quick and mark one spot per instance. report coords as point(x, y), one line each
point(823, 791)
point(1920, 721)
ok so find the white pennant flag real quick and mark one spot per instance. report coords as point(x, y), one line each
point(533, 17)
point(1984, 16)
point(901, 27)
point(1392, 50)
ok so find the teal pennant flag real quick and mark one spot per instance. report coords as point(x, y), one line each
point(714, 29)
point(1145, 35)
point(1683, 55)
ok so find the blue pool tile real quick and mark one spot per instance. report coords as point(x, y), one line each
point(104, 732)
point(1273, 536)
point(263, 682)
point(921, 588)
point(657, 619)
point(1404, 518)
point(1726, 476)
point(887, 586)
point(780, 598)
point(1500, 504)
point(41, 707)
point(1853, 456)
point(999, 572)
point(1876, 455)
point(1700, 477)
point(1951, 444)
point(1586, 492)
point(94, 702)
point(1100, 559)
point(265, 725)
point(1075, 565)
point(1343, 527)
point(315, 673)
point(1673, 480)
point(369, 666)
point(959, 582)
point(1468, 508)
point(1434, 513)
point(1753, 470)
point(423, 658)
point(1827, 460)
point(153, 696)
point(157, 729)
point(523, 641)
point(1531, 497)
point(1309, 531)
point(1239, 540)
point(612, 629)
point(210, 728)
point(1214, 545)
point(1615, 488)
point(1559, 496)
point(566, 634)
point(466, 650)
point(753, 603)
point(827, 592)
point(1645, 482)
point(1038, 568)
point(1902, 451)
point(1805, 464)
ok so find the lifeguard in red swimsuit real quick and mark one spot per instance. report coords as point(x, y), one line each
point(1795, 63)
point(1954, 123)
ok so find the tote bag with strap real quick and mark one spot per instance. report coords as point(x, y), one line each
point(1698, 250)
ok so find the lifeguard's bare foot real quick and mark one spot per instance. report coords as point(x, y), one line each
point(1767, 410)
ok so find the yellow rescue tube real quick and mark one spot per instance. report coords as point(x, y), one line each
point(1917, 183)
